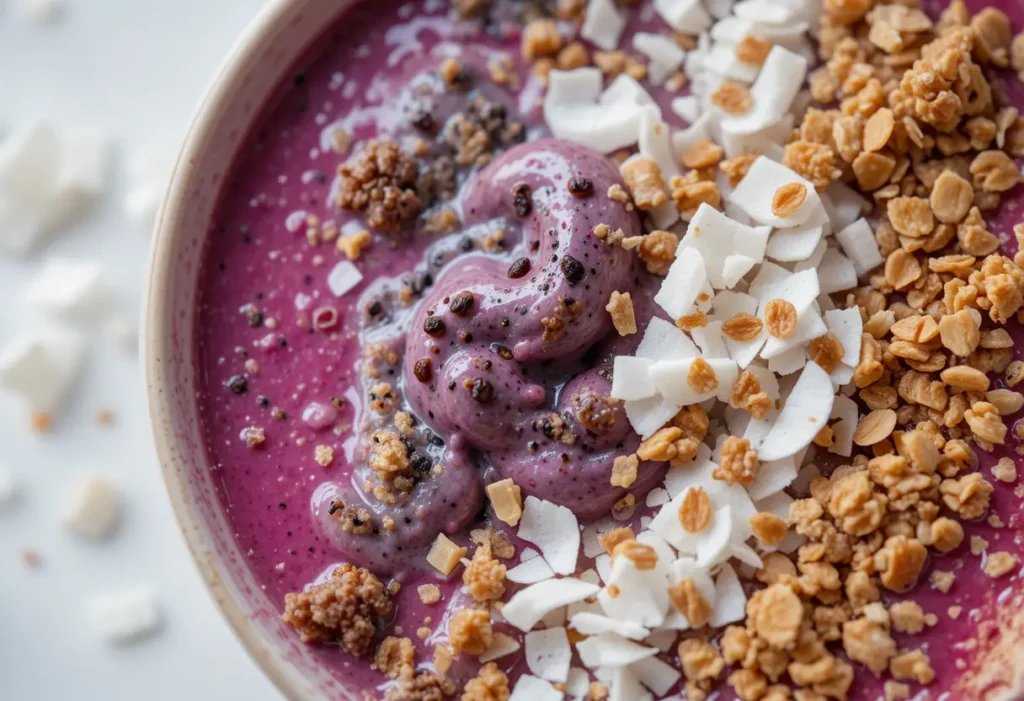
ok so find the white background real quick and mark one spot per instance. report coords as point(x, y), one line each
point(135, 69)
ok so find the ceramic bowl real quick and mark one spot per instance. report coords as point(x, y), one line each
point(277, 40)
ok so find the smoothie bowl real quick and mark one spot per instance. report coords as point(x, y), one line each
point(590, 350)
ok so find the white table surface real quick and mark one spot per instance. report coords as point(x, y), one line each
point(135, 69)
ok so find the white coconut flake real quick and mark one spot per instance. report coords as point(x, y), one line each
point(531, 688)
point(548, 654)
point(603, 24)
point(657, 497)
point(654, 142)
point(663, 340)
point(623, 685)
point(809, 325)
point(656, 675)
point(625, 89)
point(772, 477)
point(746, 555)
point(501, 645)
point(836, 272)
point(847, 326)
point(686, 280)
point(711, 340)
point(800, 242)
point(41, 366)
point(665, 55)
point(124, 616)
point(845, 410)
point(343, 278)
point(687, 108)
point(572, 112)
point(790, 362)
point(578, 685)
point(859, 243)
point(68, 286)
point(778, 83)
point(530, 571)
point(722, 60)
point(730, 600)
point(631, 378)
point(528, 606)
point(846, 205)
point(671, 379)
point(9, 488)
point(684, 16)
point(646, 416)
point(554, 530)
point(611, 650)
point(642, 598)
point(806, 412)
point(595, 624)
point(716, 237)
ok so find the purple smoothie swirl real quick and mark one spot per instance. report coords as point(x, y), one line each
point(492, 356)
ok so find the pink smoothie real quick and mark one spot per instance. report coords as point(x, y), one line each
point(484, 409)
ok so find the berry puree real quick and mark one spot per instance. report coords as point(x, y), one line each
point(418, 290)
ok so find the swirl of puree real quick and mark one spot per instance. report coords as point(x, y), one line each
point(507, 360)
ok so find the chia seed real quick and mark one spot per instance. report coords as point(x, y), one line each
point(433, 326)
point(521, 199)
point(581, 187)
point(572, 269)
point(237, 384)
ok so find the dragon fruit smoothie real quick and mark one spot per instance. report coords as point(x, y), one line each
point(352, 417)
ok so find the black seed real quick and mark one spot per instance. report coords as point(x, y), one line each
point(433, 325)
point(461, 304)
point(533, 445)
point(503, 351)
point(466, 244)
point(238, 384)
point(572, 269)
point(262, 402)
point(521, 199)
point(424, 121)
point(465, 337)
point(374, 308)
point(581, 187)
point(423, 370)
point(519, 268)
point(334, 507)
point(451, 385)
point(481, 390)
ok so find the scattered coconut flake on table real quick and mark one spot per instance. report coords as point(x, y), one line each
point(8, 488)
point(93, 508)
point(41, 11)
point(344, 277)
point(124, 616)
point(40, 366)
point(67, 286)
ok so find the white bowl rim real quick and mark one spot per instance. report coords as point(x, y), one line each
point(260, 30)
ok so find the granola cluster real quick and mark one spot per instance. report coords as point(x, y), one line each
point(380, 180)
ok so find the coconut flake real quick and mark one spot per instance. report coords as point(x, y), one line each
point(847, 326)
point(772, 477)
point(711, 545)
point(684, 16)
point(596, 624)
point(663, 340)
point(836, 272)
point(722, 60)
point(859, 243)
point(686, 280)
point(657, 497)
point(845, 410)
point(531, 688)
point(656, 675)
point(572, 112)
point(40, 366)
point(715, 237)
point(631, 378)
point(806, 412)
point(642, 598)
point(554, 530)
point(687, 108)
point(611, 650)
point(778, 83)
point(548, 654)
point(603, 24)
point(671, 379)
point(646, 416)
point(846, 205)
point(93, 509)
point(809, 325)
point(343, 278)
point(501, 646)
point(578, 685)
point(730, 599)
point(624, 89)
point(665, 55)
point(124, 616)
point(800, 242)
point(528, 606)
point(623, 685)
point(68, 286)
point(530, 571)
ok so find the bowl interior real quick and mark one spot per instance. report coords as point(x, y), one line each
point(276, 41)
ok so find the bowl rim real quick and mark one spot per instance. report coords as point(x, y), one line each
point(156, 320)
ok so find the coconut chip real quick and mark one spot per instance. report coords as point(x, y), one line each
point(554, 530)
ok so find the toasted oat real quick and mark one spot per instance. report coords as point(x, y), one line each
point(732, 97)
point(780, 318)
point(999, 564)
point(688, 600)
point(695, 510)
point(703, 153)
point(697, 320)
point(661, 446)
point(701, 376)
point(645, 182)
point(826, 351)
point(735, 169)
point(752, 50)
point(620, 307)
point(624, 471)
point(540, 38)
point(612, 538)
point(788, 199)
point(946, 534)
point(738, 463)
point(643, 556)
point(742, 327)
point(657, 250)
point(429, 593)
point(951, 198)
point(878, 129)
point(875, 427)
point(768, 528)
point(1005, 470)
